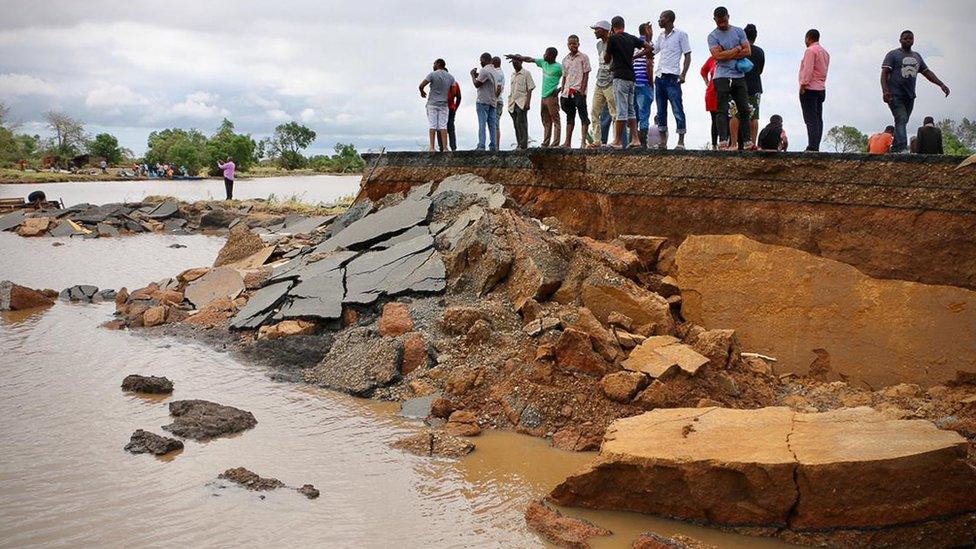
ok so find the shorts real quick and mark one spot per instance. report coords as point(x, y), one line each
point(734, 110)
point(437, 116)
point(573, 105)
point(754, 101)
point(623, 93)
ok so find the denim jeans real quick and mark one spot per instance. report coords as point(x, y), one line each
point(645, 98)
point(487, 117)
point(606, 122)
point(811, 102)
point(901, 109)
point(668, 90)
point(623, 93)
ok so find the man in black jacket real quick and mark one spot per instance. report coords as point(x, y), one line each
point(929, 140)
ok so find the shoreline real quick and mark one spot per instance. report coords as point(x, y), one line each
point(44, 178)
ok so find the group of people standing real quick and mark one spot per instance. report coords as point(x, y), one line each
point(632, 72)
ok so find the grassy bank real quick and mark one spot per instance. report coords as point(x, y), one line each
point(257, 172)
point(274, 204)
point(15, 176)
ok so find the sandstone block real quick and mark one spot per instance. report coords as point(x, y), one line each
point(623, 386)
point(395, 320)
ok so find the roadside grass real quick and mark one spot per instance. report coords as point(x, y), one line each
point(274, 204)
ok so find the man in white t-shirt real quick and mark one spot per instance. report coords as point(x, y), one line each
point(670, 47)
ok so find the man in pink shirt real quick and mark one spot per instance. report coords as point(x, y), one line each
point(813, 88)
point(228, 168)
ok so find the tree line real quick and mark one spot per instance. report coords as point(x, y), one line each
point(174, 146)
point(958, 138)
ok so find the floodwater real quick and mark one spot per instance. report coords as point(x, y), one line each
point(312, 189)
point(65, 480)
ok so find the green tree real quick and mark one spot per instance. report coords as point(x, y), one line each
point(847, 139)
point(347, 159)
point(287, 144)
point(958, 139)
point(226, 143)
point(178, 147)
point(107, 147)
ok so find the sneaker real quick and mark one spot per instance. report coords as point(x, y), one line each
point(679, 147)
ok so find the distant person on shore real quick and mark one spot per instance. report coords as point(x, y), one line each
point(711, 97)
point(485, 80)
point(728, 45)
point(621, 48)
point(228, 168)
point(103, 165)
point(773, 136)
point(440, 82)
point(899, 73)
point(603, 92)
point(496, 63)
point(674, 59)
point(519, 100)
point(929, 138)
point(572, 95)
point(754, 81)
point(880, 143)
point(813, 87)
point(551, 73)
point(644, 83)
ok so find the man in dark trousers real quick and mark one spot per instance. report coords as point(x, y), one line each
point(813, 87)
point(754, 80)
point(728, 44)
point(519, 99)
point(899, 72)
point(929, 140)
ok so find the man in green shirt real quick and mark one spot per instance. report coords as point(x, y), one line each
point(552, 72)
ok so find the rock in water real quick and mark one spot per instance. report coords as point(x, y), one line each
point(434, 444)
point(308, 491)
point(202, 420)
point(147, 384)
point(250, 479)
point(144, 442)
point(14, 297)
point(563, 531)
point(849, 470)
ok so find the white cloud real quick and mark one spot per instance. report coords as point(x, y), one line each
point(198, 105)
point(308, 115)
point(278, 115)
point(14, 85)
point(107, 95)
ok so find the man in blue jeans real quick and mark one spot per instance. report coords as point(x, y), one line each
point(487, 106)
point(671, 46)
point(899, 72)
point(643, 85)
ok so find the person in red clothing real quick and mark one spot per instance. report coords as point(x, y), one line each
point(880, 143)
point(711, 97)
point(453, 102)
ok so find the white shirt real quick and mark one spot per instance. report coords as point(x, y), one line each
point(669, 49)
point(500, 80)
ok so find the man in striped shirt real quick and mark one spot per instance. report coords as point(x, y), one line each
point(644, 88)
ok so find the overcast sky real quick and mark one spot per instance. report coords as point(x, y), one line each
point(350, 70)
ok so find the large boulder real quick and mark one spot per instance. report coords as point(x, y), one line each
point(241, 244)
point(203, 420)
point(358, 363)
point(845, 470)
point(14, 297)
point(604, 294)
point(34, 226)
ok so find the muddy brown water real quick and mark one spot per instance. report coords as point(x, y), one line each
point(65, 480)
point(311, 189)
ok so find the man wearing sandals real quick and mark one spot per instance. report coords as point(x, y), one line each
point(620, 53)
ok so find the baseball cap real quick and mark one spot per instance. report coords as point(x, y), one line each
point(605, 25)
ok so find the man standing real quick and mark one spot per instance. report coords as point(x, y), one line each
point(519, 99)
point(813, 87)
point(603, 92)
point(729, 44)
point(643, 83)
point(453, 103)
point(572, 98)
point(487, 103)
point(754, 80)
point(440, 82)
point(496, 63)
point(228, 168)
point(620, 54)
point(929, 139)
point(672, 45)
point(899, 71)
point(551, 73)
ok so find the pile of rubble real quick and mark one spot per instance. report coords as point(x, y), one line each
point(168, 216)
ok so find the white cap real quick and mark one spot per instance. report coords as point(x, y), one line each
point(605, 25)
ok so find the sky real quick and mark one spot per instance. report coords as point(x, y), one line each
point(350, 70)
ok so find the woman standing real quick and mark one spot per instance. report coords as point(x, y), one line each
point(228, 168)
point(711, 97)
